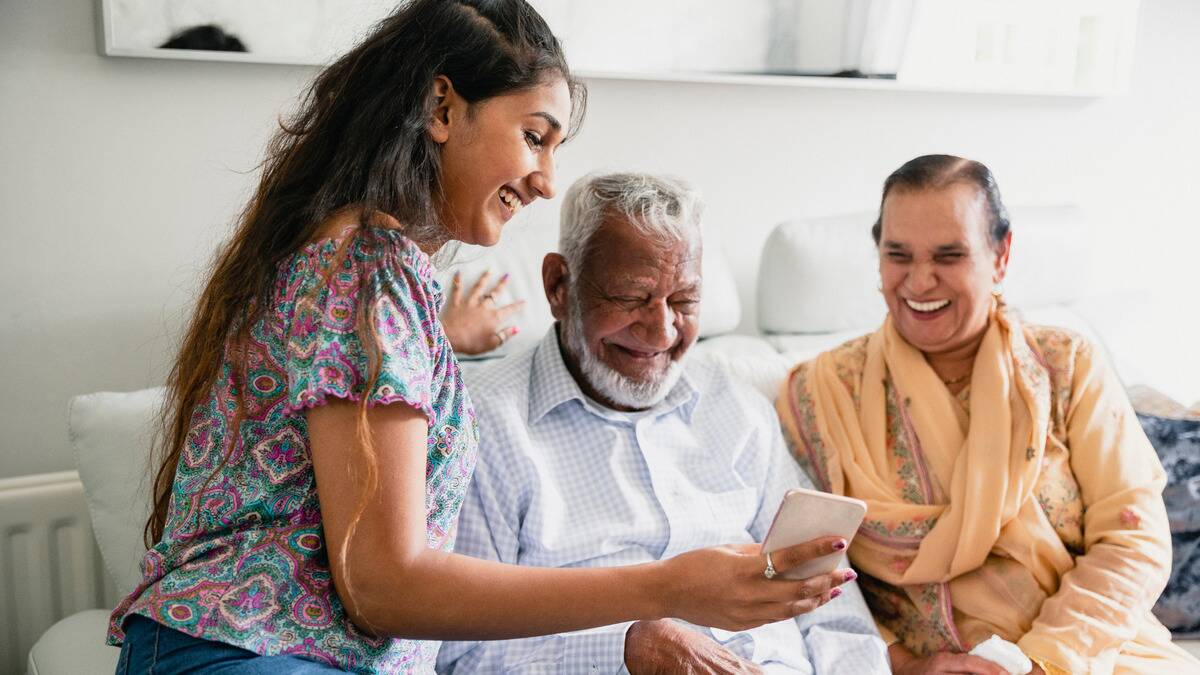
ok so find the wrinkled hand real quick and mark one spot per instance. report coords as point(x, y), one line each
point(663, 646)
point(473, 322)
point(724, 587)
point(943, 662)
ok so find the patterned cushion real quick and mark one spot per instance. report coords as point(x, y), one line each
point(1178, 444)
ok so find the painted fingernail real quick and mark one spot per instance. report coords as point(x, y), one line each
point(514, 330)
point(851, 575)
point(505, 277)
point(839, 544)
point(835, 593)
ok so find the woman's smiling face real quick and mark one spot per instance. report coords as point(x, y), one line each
point(937, 265)
point(497, 155)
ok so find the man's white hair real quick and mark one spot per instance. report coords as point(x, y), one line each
point(660, 207)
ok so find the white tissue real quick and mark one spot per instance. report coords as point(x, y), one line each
point(1004, 654)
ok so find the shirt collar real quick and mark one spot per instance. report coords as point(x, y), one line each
point(551, 385)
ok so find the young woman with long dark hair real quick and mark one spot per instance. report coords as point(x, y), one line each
point(317, 435)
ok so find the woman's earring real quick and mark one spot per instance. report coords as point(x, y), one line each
point(998, 290)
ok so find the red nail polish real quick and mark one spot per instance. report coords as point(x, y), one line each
point(514, 330)
point(839, 544)
point(835, 593)
point(851, 575)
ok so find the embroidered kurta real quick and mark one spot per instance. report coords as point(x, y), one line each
point(1029, 506)
point(243, 557)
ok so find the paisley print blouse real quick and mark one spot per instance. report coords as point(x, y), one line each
point(243, 557)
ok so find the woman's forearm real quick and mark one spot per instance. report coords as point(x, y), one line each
point(392, 584)
point(429, 597)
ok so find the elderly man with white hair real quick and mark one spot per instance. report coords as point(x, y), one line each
point(604, 445)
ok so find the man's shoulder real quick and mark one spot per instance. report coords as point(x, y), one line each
point(707, 376)
point(499, 391)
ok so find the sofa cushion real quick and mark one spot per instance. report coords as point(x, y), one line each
point(800, 347)
point(1150, 401)
point(111, 434)
point(519, 254)
point(1190, 646)
point(821, 275)
point(75, 646)
point(747, 358)
point(1151, 336)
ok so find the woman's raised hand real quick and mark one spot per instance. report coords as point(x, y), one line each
point(724, 587)
point(473, 321)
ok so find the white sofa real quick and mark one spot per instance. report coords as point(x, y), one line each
point(816, 288)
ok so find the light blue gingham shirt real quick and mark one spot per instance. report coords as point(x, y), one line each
point(564, 482)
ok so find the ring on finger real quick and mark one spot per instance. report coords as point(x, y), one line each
point(770, 572)
point(502, 334)
point(489, 297)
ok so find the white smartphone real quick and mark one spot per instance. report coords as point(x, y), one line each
point(805, 515)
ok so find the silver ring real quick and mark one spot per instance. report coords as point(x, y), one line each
point(503, 335)
point(770, 572)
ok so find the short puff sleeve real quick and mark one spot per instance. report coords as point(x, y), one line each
point(377, 309)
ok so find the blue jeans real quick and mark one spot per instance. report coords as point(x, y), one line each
point(153, 649)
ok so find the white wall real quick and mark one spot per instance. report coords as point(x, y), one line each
point(119, 176)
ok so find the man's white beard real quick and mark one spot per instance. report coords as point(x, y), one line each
point(609, 383)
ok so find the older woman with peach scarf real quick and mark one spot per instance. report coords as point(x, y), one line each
point(1010, 489)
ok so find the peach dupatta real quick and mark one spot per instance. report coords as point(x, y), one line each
point(969, 496)
point(956, 546)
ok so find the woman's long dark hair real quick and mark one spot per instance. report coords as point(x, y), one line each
point(359, 139)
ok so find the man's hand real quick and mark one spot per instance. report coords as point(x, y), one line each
point(665, 646)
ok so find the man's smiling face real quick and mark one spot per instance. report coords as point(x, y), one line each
point(634, 308)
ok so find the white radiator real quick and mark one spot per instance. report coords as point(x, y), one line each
point(50, 566)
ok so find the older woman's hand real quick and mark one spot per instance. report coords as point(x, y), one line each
point(905, 662)
point(473, 322)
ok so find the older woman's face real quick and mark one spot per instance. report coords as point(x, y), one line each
point(937, 265)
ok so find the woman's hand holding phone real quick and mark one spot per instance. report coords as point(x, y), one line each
point(724, 587)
